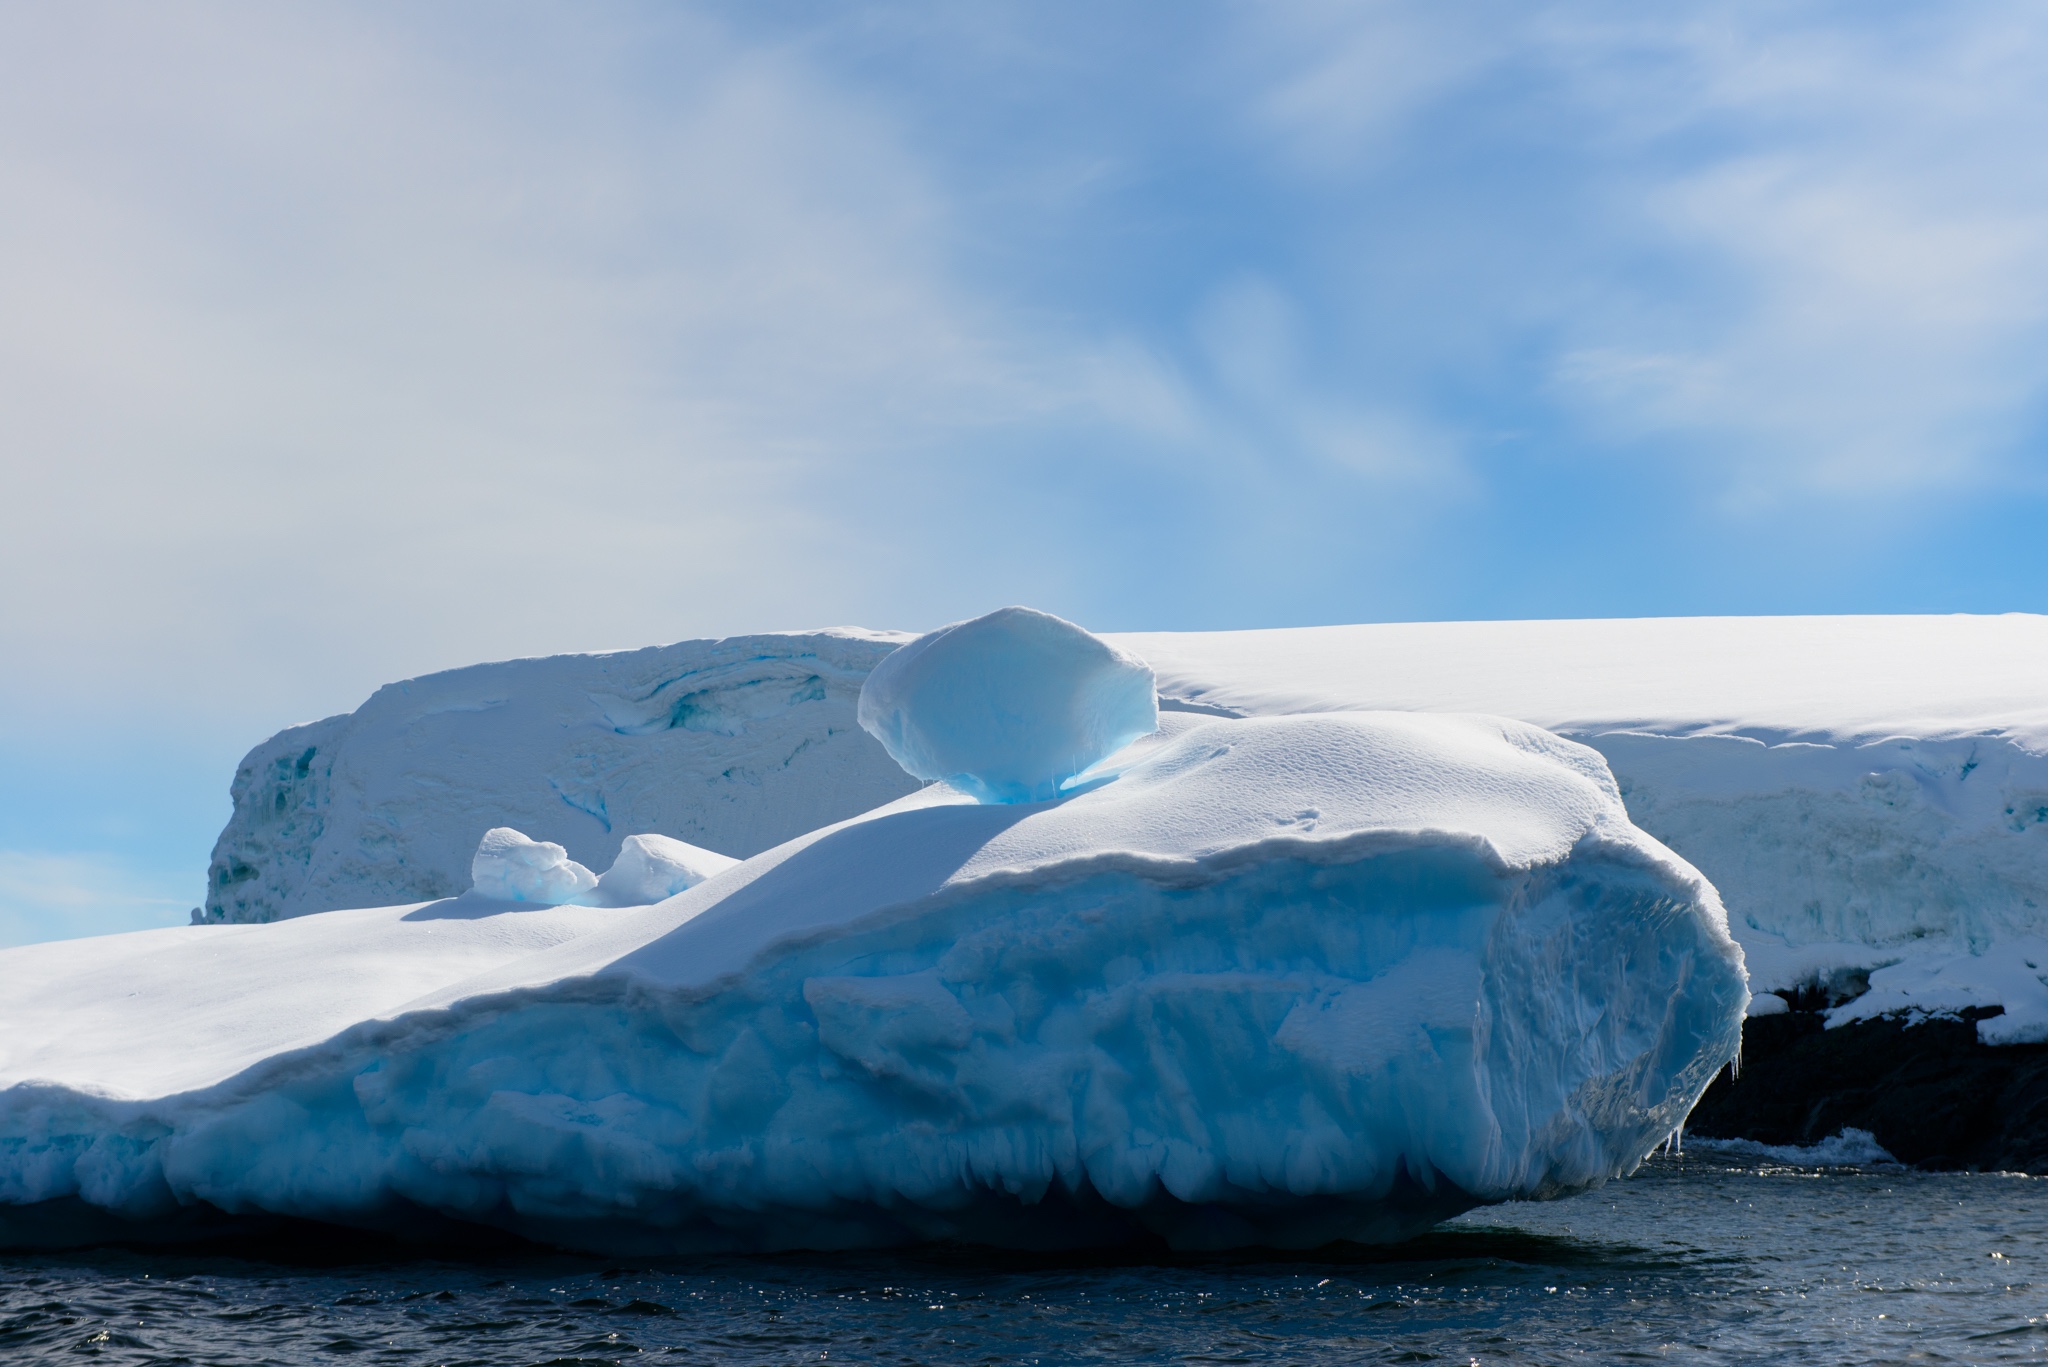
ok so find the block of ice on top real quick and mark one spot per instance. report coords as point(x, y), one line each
point(1009, 706)
point(511, 867)
point(654, 868)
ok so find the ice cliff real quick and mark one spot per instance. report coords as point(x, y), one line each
point(734, 745)
point(1276, 980)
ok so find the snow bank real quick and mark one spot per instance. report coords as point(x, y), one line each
point(1008, 706)
point(513, 868)
point(1277, 981)
point(1869, 794)
point(732, 745)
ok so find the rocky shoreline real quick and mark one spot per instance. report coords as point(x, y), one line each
point(1930, 1093)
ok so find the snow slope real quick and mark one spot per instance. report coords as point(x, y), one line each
point(1869, 794)
point(734, 745)
point(1273, 980)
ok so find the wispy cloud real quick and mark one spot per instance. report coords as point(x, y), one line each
point(45, 896)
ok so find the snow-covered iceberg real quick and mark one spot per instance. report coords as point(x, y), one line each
point(1276, 980)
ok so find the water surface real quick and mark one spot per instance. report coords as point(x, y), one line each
point(1709, 1260)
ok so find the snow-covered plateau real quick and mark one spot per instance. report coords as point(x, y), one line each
point(1274, 979)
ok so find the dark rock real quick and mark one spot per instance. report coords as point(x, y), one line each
point(1930, 1093)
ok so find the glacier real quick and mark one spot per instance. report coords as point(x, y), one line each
point(732, 745)
point(1274, 980)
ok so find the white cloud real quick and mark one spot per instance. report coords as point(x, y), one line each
point(327, 356)
point(1852, 209)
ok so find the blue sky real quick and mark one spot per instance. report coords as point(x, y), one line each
point(344, 343)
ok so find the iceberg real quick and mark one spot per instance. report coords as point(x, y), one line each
point(1010, 706)
point(1275, 980)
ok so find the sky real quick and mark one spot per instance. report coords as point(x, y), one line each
point(344, 343)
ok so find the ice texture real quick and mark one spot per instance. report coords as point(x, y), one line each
point(1275, 981)
point(1009, 706)
point(513, 868)
point(651, 868)
point(734, 745)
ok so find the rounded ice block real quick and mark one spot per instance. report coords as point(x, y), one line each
point(511, 867)
point(1009, 706)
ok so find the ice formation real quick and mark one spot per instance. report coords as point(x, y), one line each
point(652, 868)
point(509, 866)
point(1009, 706)
point(1870, 794)
point(1276, 980)
point(732, 745)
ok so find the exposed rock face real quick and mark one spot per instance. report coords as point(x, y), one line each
point(1932, 1094)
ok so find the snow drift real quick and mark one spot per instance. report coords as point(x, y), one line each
point(1276, 980)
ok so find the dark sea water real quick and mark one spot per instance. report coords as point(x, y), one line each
point(1696, 1260)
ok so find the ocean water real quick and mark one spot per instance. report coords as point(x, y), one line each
point(1701, 1259)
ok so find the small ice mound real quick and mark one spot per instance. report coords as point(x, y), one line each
point(511, 867)
point(654, 868)
point(1008, 707)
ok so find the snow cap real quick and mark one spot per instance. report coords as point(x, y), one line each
point(511, 867)
point(654, 868)
point(1009, 706)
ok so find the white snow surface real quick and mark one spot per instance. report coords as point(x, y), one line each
point(1275, 980)
point(1009, 706)
point(732, 745)
point(1868, 794)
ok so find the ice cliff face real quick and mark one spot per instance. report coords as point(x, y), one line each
point(733, 745)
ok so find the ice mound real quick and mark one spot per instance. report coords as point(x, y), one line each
point(512, 868)
point(651, 868)
point(1279, 981)
point(1009, 706)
